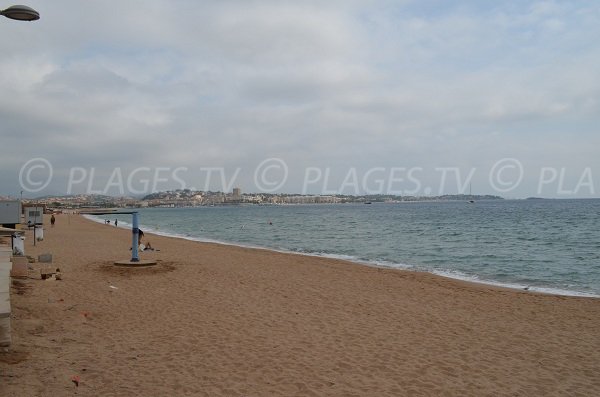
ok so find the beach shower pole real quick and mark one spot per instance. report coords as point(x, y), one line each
point(135, 236)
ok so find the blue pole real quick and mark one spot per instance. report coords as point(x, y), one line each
point(134, 238)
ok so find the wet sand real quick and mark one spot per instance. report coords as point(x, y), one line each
point(214, 320)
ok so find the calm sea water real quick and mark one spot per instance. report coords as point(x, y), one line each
point(546, 245)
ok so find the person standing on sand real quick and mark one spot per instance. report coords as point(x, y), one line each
point(52, 220)
point(116, 221)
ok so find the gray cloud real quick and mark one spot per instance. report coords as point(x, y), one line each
point(347, 84)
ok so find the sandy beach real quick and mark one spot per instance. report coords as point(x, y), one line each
point(215, 320)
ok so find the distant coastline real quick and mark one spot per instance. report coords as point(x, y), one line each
point(193, 198)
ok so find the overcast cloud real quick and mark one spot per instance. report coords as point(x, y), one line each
point(342, 87)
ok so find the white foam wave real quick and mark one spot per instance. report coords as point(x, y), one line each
point(98, 219)
point(517, 286)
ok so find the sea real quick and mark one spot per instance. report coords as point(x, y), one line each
point(550, 246)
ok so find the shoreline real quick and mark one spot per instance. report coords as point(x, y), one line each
point(392, 266)
point(214, 320)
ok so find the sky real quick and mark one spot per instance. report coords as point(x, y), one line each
point(339, 97)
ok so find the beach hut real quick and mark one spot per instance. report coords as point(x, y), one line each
point(10, 213)
point(34, 214)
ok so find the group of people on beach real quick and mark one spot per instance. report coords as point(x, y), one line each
point(141, 245)
point(146, 246)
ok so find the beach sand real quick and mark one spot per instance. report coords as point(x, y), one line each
point(215, 320)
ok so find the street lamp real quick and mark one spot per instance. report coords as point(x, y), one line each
point(21, 13)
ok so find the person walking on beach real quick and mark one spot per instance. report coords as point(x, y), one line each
point(116, 221)
point(52, 220)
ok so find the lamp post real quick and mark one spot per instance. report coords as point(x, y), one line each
point(34, 224)
point(21, 13)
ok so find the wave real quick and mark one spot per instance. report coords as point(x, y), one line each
point(516, 286)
